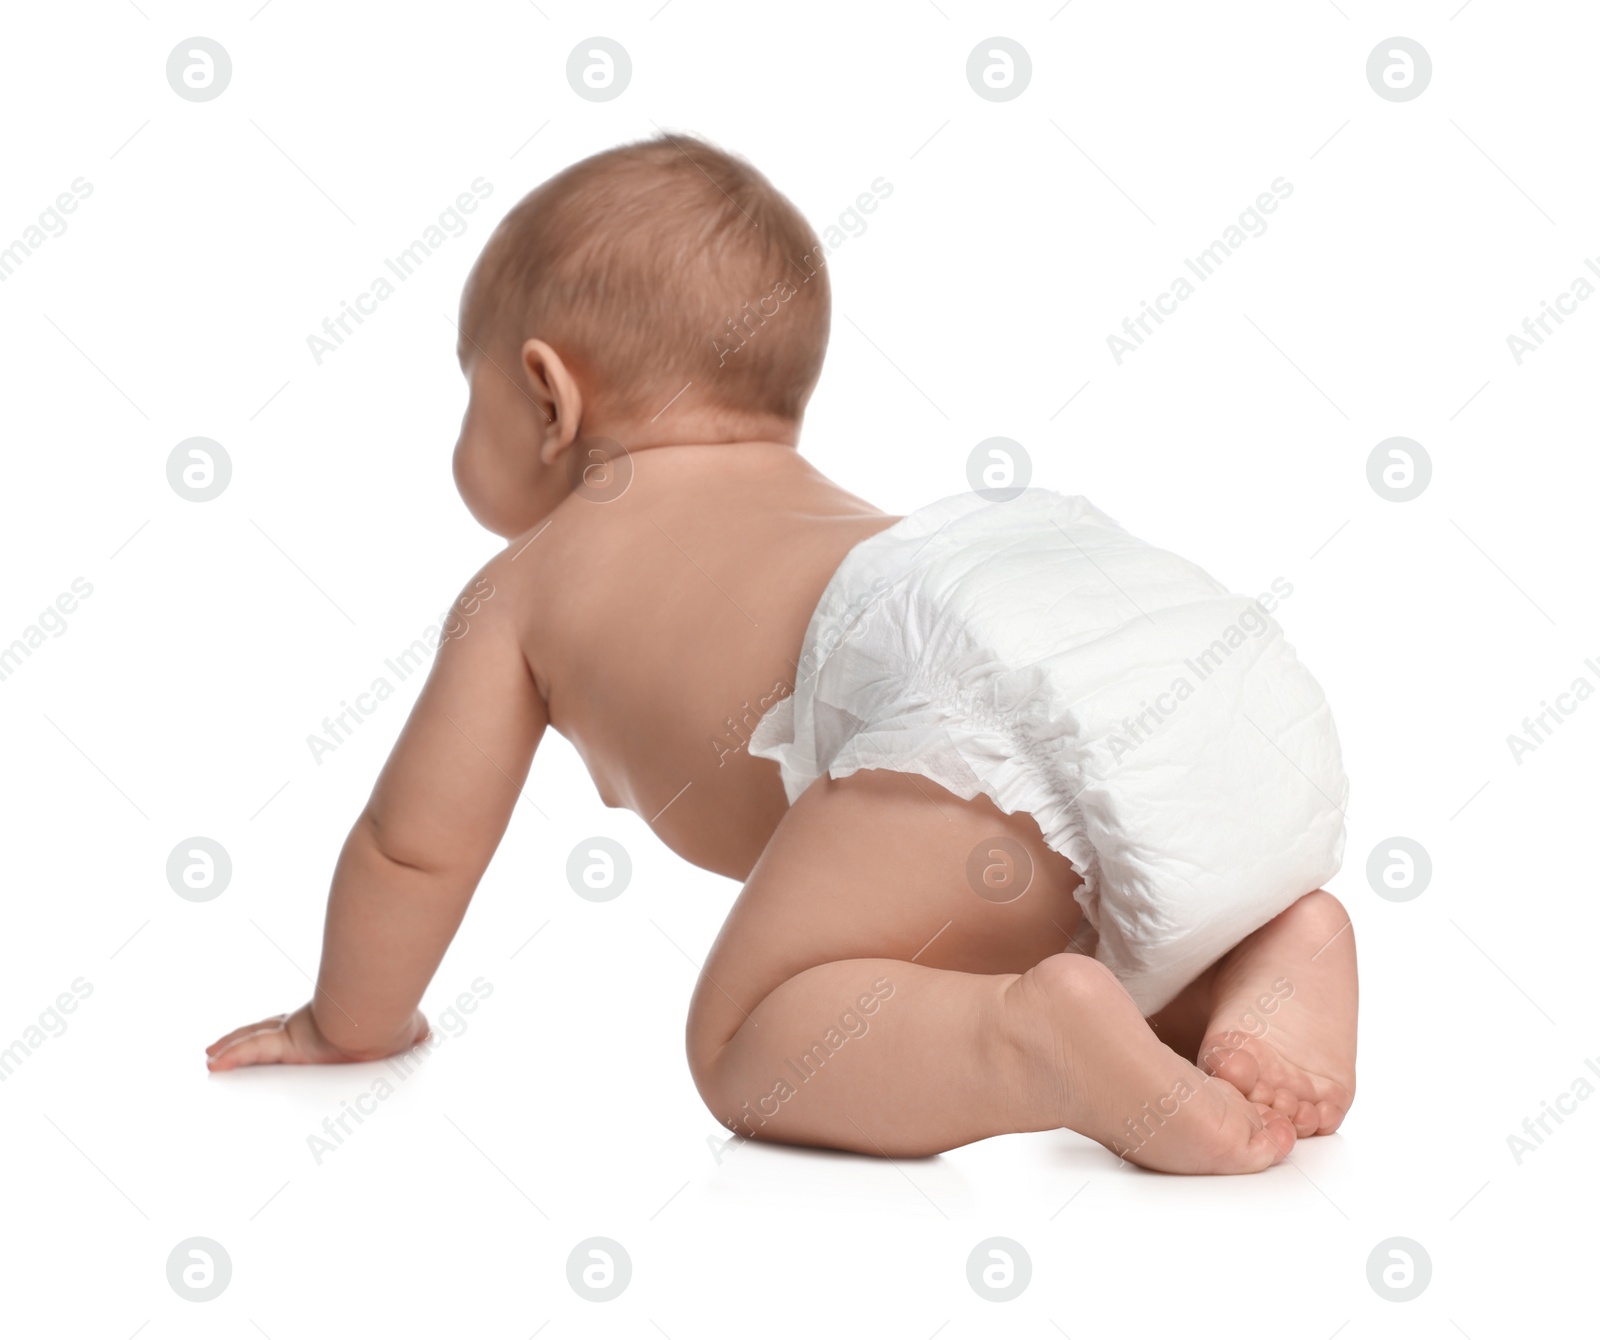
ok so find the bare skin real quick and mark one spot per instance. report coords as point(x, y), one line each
point(1299, 1059)
point(651, 629)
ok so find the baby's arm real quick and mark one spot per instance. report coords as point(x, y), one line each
point(418, 850)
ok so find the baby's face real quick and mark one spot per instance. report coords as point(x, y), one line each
point(498, 473)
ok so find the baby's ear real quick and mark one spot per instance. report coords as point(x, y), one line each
point(555, 395)
point(552, 446)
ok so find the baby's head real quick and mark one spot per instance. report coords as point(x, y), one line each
point(658, 293)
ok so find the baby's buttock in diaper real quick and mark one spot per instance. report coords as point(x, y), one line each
point(1160, 730)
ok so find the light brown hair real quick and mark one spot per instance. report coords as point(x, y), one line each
point(657, 264)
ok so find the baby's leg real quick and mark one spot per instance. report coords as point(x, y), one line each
point(863, 996)
point(1282, 1026)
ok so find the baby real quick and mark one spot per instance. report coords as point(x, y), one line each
point(1025, 810)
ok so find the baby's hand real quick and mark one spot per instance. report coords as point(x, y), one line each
point(295, 1039)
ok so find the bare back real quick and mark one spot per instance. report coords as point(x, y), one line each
point(661, 624)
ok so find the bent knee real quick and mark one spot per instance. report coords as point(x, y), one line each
point(716, 1081)
point(1323, 908)
point(706, 1035)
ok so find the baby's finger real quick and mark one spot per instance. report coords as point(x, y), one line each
point(227, 1039)
point(267, 1045)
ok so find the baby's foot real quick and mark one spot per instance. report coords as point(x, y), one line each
point(1094, 1061)
point(1283, 1018)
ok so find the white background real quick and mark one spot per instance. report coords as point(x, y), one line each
point(1018, 236)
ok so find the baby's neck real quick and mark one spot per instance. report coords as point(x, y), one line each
point(673, 462)
point(675, 425)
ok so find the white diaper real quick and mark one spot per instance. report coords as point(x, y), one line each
point(1160, 730)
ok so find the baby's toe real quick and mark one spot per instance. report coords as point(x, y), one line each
point(1232, 1063)
point(1329, 1117)
point(1276, 1135)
